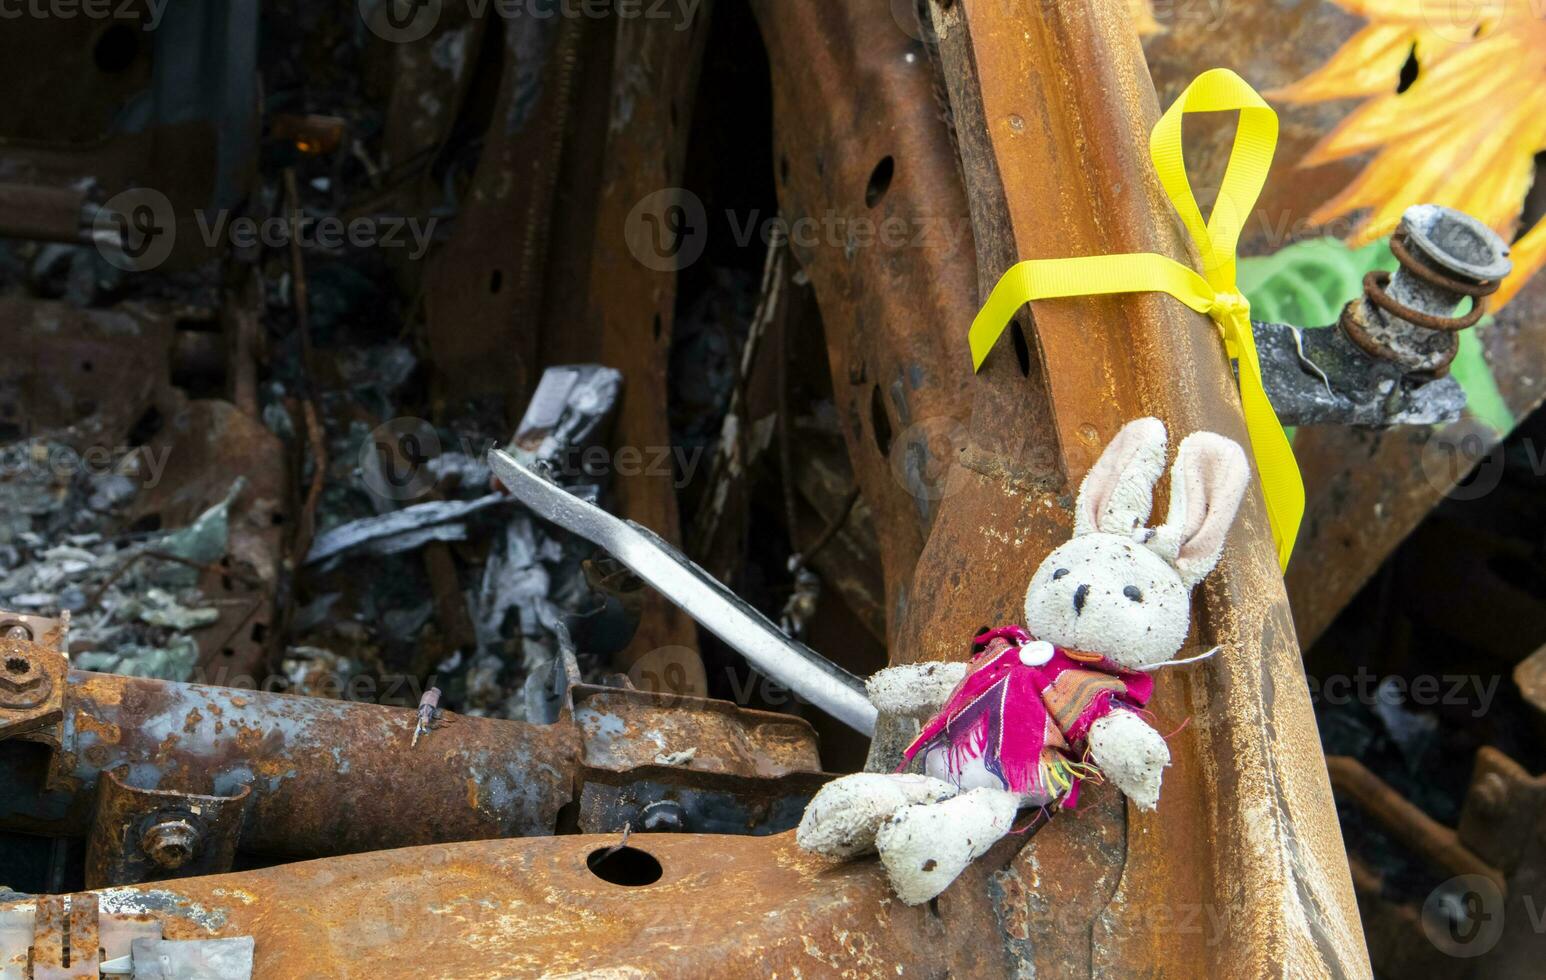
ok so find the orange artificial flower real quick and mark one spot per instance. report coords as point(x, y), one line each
point(1464, 133)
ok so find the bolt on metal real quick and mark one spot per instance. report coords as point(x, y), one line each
point(170, 843)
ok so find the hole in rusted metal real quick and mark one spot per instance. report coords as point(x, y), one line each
point(17, 665)
point(626, 866)
point(116, 49)
point(880, 421)
point(880, 181)
point(1022, 348)
point(146, 427)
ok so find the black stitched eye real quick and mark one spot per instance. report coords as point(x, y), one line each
point(1132, 593)
point(1059, 574)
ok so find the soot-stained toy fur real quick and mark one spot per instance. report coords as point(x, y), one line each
point(1041, 708)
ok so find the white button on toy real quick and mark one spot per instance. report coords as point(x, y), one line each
point(1036, 653)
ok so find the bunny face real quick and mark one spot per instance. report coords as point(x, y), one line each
point(1106, 594)
point(1118, 588)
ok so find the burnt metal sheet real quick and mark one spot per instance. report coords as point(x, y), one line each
point(41, 213)
point(65, 365)
point(1053, 115)
point(157, 96)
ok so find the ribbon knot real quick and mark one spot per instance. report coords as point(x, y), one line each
point(1256, 138)
point(1229, 306)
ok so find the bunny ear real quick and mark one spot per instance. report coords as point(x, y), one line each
point(1118, 492)
point(1206, 484)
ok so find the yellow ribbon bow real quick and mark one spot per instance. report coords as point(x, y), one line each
point(1214, 292)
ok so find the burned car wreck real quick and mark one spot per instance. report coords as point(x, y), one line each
point(472, 475)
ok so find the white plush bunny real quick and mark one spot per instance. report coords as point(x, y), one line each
point(1022, 723)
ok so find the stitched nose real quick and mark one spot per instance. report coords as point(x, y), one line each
point(1080, 594)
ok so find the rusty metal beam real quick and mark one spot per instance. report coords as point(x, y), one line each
point(1053, 106)
point(656, 65)
point(483, 291)
point(868, 182)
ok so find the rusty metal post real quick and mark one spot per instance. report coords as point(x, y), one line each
point(1053, 106)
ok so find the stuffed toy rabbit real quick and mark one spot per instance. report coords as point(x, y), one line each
point(1040, 708)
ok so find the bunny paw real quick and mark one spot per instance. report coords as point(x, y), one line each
point(924, 848)
point(914, 690)
point(1130, 754)
point(842, 819)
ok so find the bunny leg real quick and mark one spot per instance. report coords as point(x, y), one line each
point(925, 847)
point(841, 820)
point(903, 696)
point(1130, 754)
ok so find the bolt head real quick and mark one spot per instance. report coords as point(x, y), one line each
point(19, 674)
point(170, 843)
point(664, 816)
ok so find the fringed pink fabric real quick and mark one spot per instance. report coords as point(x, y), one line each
point(1028, 724)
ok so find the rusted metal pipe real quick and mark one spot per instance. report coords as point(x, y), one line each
point(327, 777)
point(1438, 844)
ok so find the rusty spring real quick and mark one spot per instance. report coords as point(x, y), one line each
point(1374, 290)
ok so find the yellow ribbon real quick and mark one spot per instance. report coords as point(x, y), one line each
point(1214, 292)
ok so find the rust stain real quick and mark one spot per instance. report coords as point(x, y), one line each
point(106, 732)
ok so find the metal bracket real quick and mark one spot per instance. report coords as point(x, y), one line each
point(141, 835)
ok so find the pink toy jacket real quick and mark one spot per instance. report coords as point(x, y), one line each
point(1028, 722)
